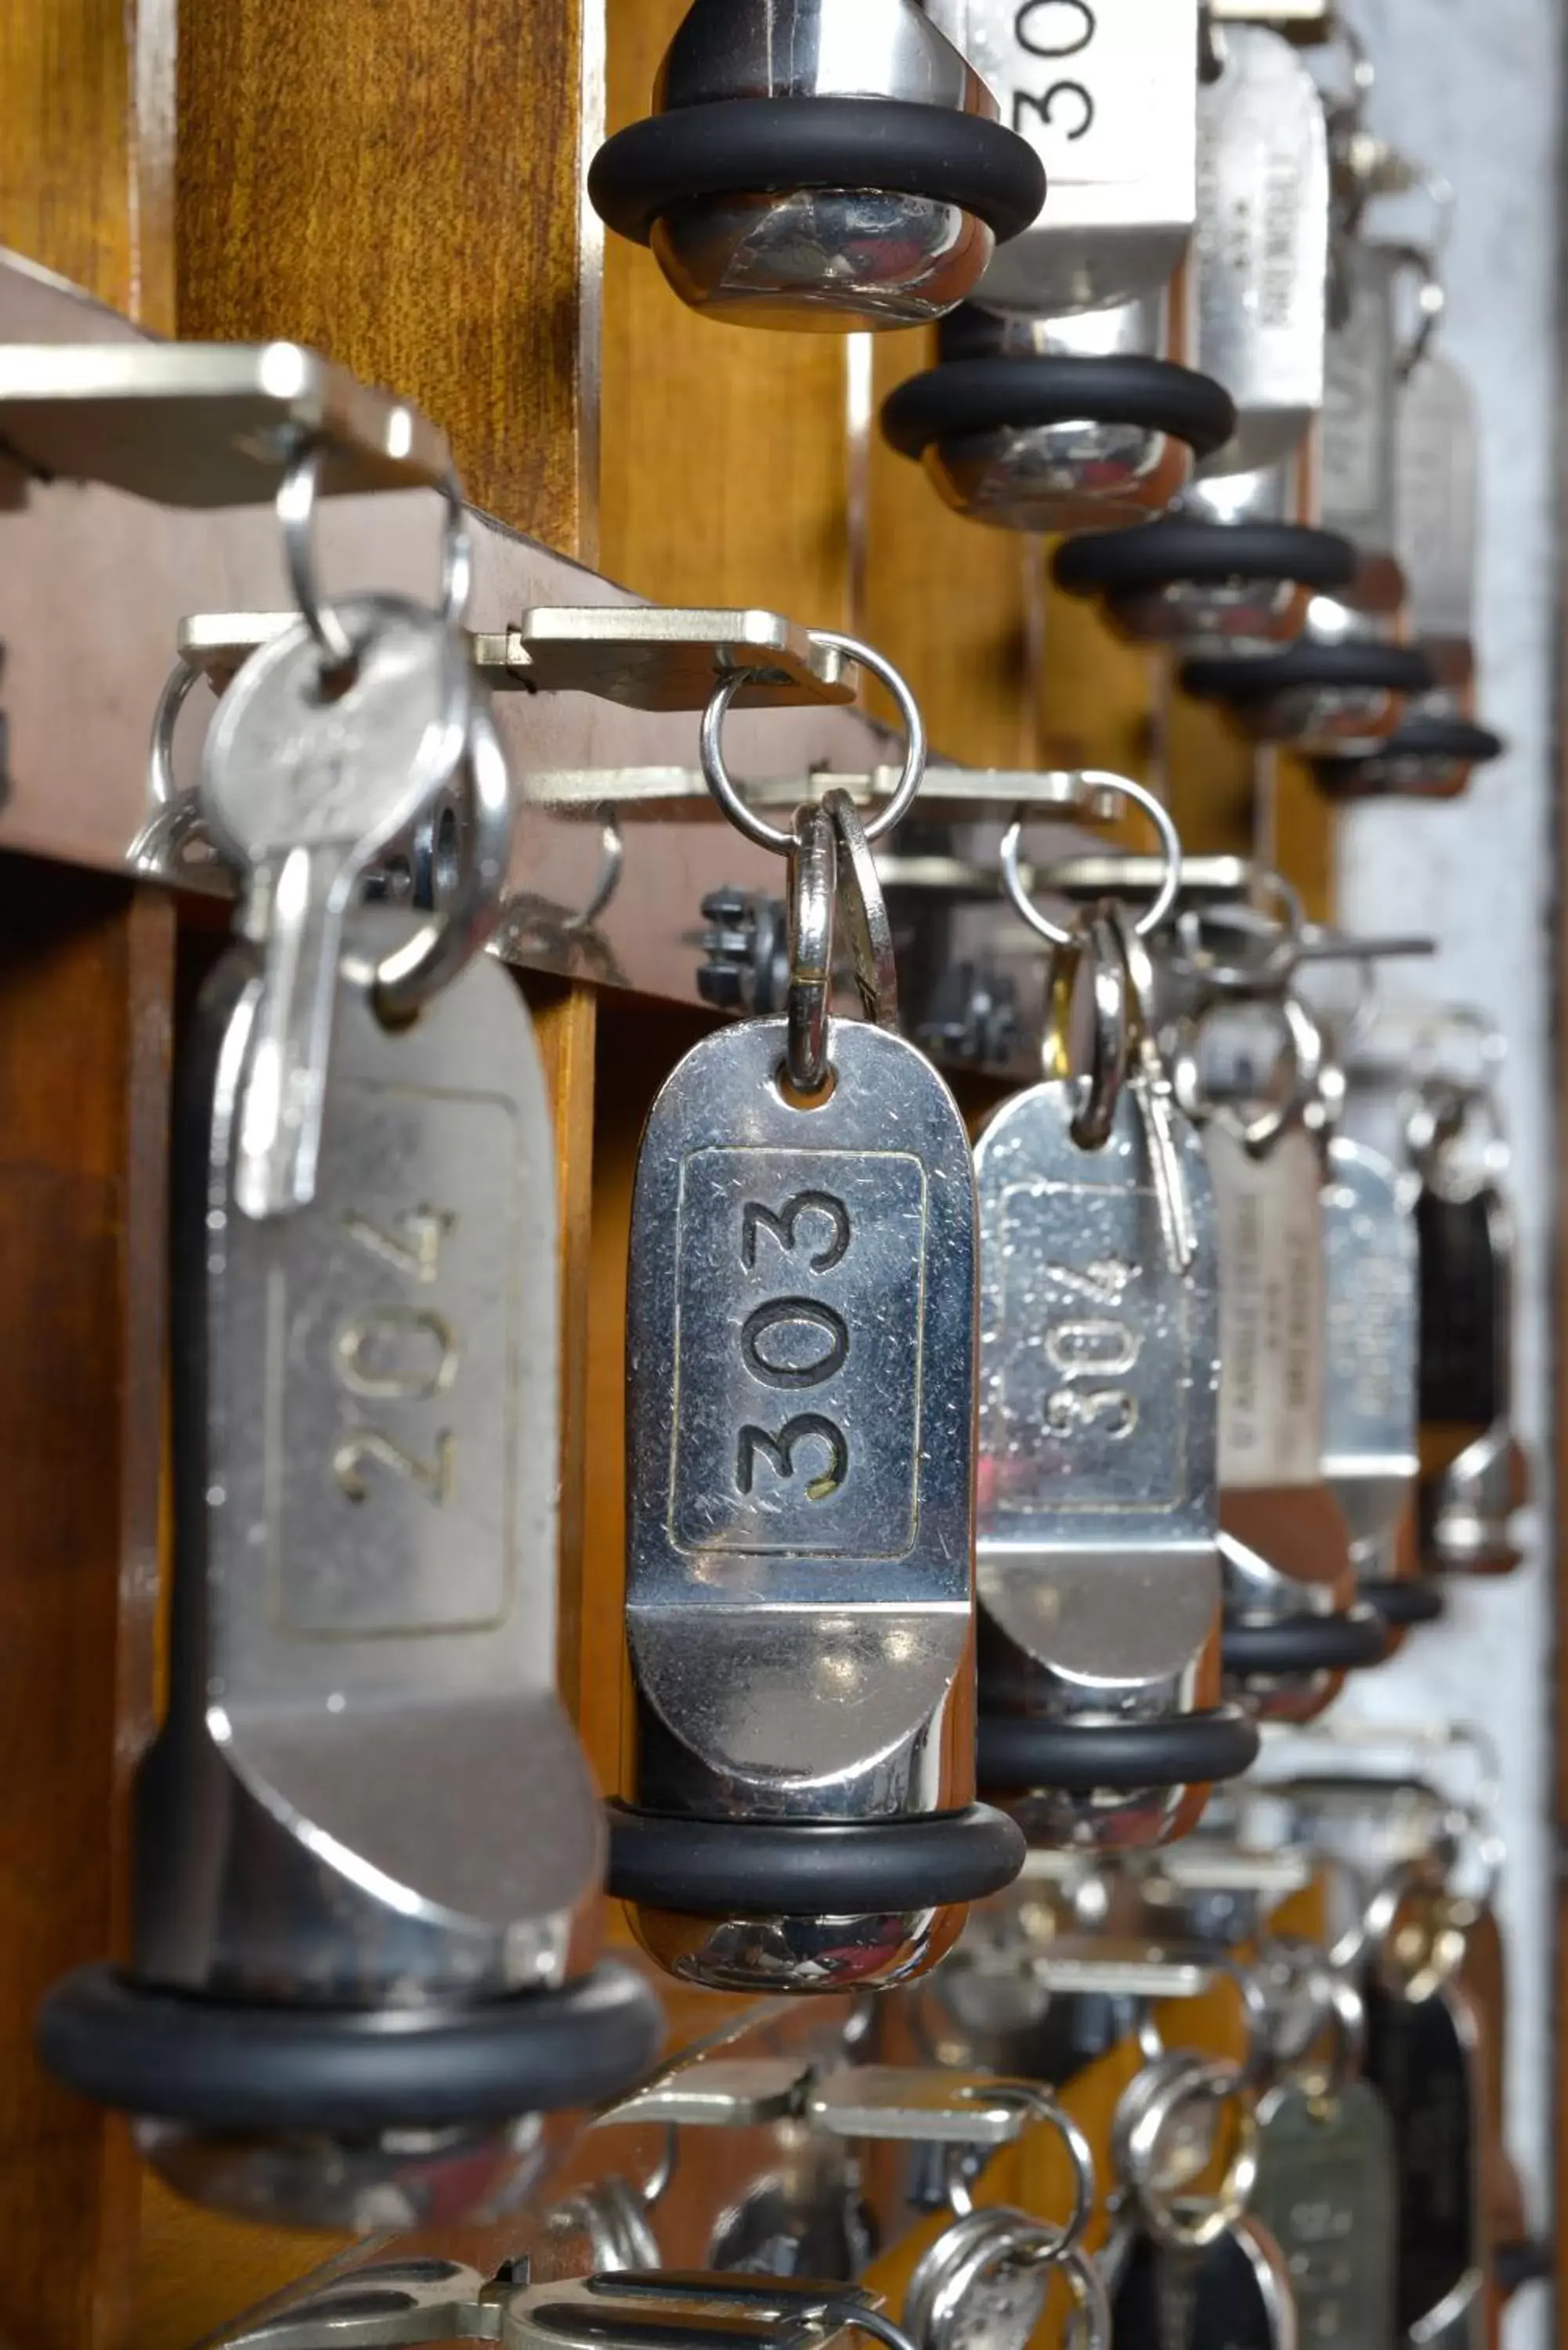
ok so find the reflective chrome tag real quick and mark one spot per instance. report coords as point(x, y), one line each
point(1099, 1373)
point(800, 1395)
point(1369, 1432)
point(1271, 1309)
point(1325, 2191)
point(365, 1401)
point(1107, 97)
point(1261, 245)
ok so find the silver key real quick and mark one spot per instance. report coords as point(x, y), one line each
point(305, 787)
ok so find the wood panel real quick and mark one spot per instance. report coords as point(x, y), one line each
point(86, 159)
point(85, 979)
point(724, 476)
point(396, 182)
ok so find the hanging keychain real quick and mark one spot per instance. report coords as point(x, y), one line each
point(1292, 1625)
point(1097, 1578)
point(369, 1851)
point(800, 1373)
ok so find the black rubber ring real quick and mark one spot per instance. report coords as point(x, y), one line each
point(1170, 553)
point(1018, 1751)
point(758, 146)
point(1446, 741)
point(1386, 669)
point(1305, 1644)
point(1404, 1599)
point(1513, 2265)
point(969, 396)
point(721, 1868)
point(241, 2068)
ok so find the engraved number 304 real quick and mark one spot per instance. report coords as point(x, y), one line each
point(396, 1353)
point(794, 1342)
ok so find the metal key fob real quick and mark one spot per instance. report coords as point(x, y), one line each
point(1425, 2057)
point(1284, 1543)
point(1097, 1567)
point(1233, 2294)
point(800, 1373)
point(1369, 1428)
point(1261, 252)
point(367, 1847)
point(1326, 2190)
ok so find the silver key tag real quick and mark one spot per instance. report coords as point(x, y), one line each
point(1370, 1457)
point(1356, 446)
point(800, 1370)
point(1285, 1541)
point(304, 781)
point(1107, 98)
point(1261, 245)
point(1424, 2057)
point(1326, 2190)
point(1096, 1565)
point(984, 2282)
point(364, 1630)
point(1233, 2294)
point(1436, 460)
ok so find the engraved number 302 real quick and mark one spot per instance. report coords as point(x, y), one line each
point(795, 1341)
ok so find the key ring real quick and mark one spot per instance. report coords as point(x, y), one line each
point(1096, 937)
point(1303, 1053)
point(1036, 2102)
point(813, 877)
point(1334, 2002)
point(1146, 2110)
point(298, 493)
point(407, 980)
point(1096, 780)
point(865, 911)
point(1089, 2324)
point(1274, 968)
point(721, 784)
point(162, 788)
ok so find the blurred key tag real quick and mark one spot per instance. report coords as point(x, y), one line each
point(1232, 2295)
point(1270, 1309)
point(1369, 1431)
point(1262, 243)
point(1099, 1366)
point(1357, 444)
point(1435, 446)
point(1325, 2191)
point(1424, 2057)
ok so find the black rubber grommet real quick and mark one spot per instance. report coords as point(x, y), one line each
point(969, 396)
point(758, 146)
point(1513, 2265)
point(1404, 1599)
point(236, 2069)
point(722, 1868)
point(1305, 1644)
point(1017, 1752)
point(1385, 669)
point(1174, 551)
point(1446, 741)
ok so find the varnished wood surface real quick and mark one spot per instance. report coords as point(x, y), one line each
point(87, 146)
point(85, 974)
point(396, 182)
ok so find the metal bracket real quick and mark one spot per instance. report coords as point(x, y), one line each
point(206, 425)
point(642, 656)
point(924, 2104)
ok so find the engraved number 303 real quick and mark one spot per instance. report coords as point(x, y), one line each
point(399, 1352)
point(794, 1343)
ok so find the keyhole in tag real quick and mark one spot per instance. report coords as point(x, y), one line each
point(792, 1097)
